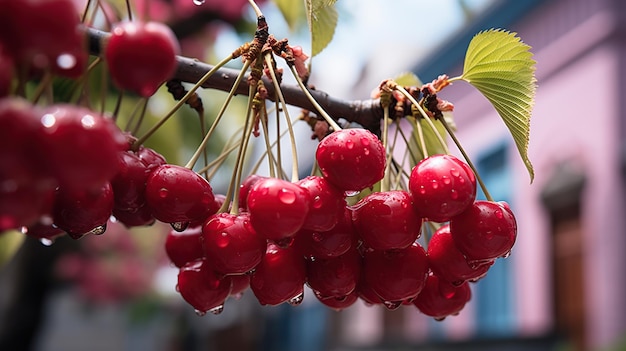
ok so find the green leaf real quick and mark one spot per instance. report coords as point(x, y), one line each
point(501, 67)
point(10, 242)
point(292, 11)
point(322, 19)
point(408, 79)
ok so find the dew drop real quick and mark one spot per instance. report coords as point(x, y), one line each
point(99, 230)
point(48, 120)
point(287, 196)
point(440, 319)
point(88, 121)
point(200, 313)
point(506, 254)
point(317, 202)
point(198, 2)
point(454, 172)
point(250, 272)
point(217, 309)
point(317, 237)
point(350, 144)
point(499, 214)
point(349, 193)
point(392, 305)
point(453, 194)
point(296, 300)
point(365, 141)
point(489, 234)
point(366, 151)
point(163, 192)
point(333, 155)
point(179, 226)
point(446, 180)
point(46, 241)
point(66, 61)
point(222, 240)
point(434, 184)
point(422, 190)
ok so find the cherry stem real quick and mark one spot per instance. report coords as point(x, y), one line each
point(130, 12)
point(205, 140)
point(263, 117)
point(256, 8)
point(43, 86)
point(233, 188)
point(467, 159)
point(425, 115)
point(292, 137)
point(317, 106)
point(141, 104)
point(84, 16)
point(268, 153)
point(385, 182)
point(420, 136)
point(214, 165)
point(182, 101)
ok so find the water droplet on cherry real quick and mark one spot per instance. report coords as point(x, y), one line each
point(454, 172)
point(352, 193)
point(198, 2)
point(454, 194)
point(499, 214)
point(223, 240)
point(99, 230)
point(217, 309)
point(392, 305)
point(46, 241)
point(66, 61)
point(434, 184)
point(365, 141)
point(179, 226)
point(163, 192)
point(296, 300)
point(446, 180)
point(200, 313)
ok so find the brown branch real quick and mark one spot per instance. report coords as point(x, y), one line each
point(367, 113)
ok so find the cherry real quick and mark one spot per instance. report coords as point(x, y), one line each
point(7, 71)
point(141, 56)
point(439, 298)
point(448, 263)
point(442, 186)
point(334, 277)
point(138, 217)
point(241, 282)
point(45, 34)
point(327, 204)
point(150, 158)
point(278, 208)
point(231, 244)
point(339, 303)
point(386, 220)
point(184, 247)
point(83, 211)
point(351, 159)
point(327, 244)
point(244, 189)
point(176, 194)
point(82, 147)
point(129, 184)
point(396, 275)
point(202, 288)
point(46, 233)
point(23, 204)
point(280, 276)
point(486, 230)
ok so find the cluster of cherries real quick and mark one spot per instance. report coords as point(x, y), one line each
point(285, 235)
point(65, 169)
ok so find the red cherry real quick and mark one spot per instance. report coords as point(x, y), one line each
point(351, 159)
point(82, 147)
point(328, 244)
point(244, 189)
point(486, 230)
point(129, 184)
point(141, 56)
point(448, 263)
point(442, 186)
point(339, 303)
point(138, 217)
point(278, 208)
point(231, 243)
point(334, 277)
point(241, 282)
point(177, 194)
point(396, 275)
point(386, 220)
point(184, 247)
point(439, 298)
point(150, 158)
point(46, 233)
point(7, 71)
point(45, 34)
point(280, 276)
point(202, 288)
point(327, 204)
point(84, 211)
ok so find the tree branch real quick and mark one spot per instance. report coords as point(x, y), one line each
point(367, 113)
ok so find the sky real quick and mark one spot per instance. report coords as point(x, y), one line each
point(386, 37)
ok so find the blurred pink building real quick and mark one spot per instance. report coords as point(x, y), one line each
point(565, 282)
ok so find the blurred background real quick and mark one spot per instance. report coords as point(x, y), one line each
point(564, 286)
